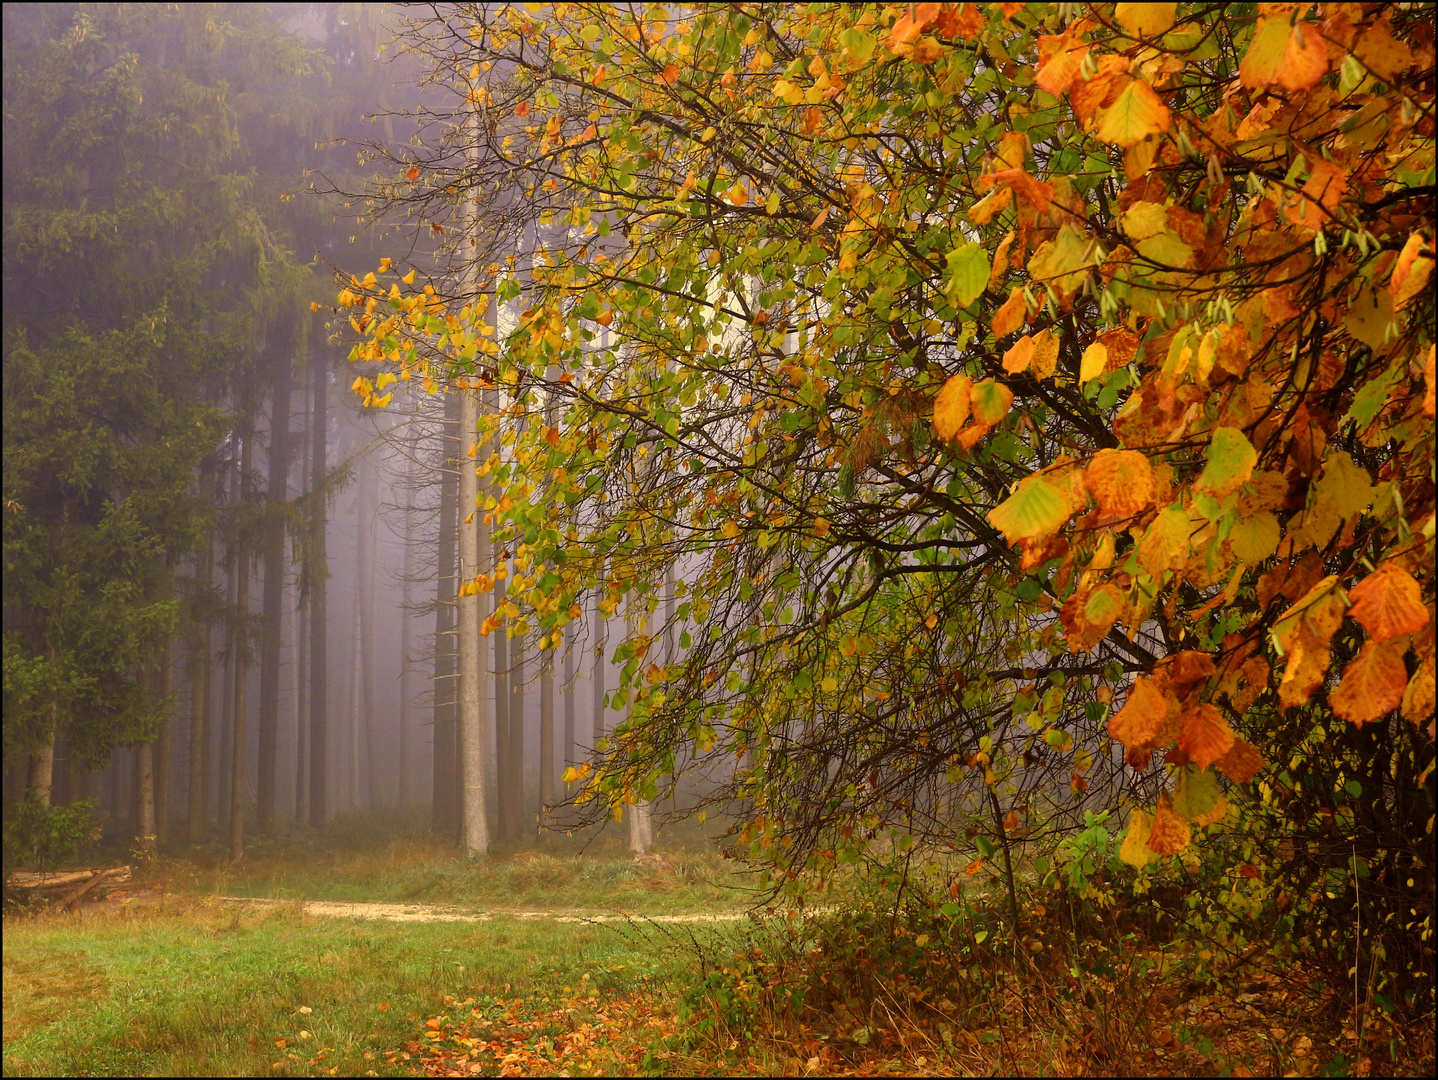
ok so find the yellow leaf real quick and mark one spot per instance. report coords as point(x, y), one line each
point(829, 684)
point(1135, 850)
point(951, 407)
point(932, 621)
point(1134, 116)
point(1094, 363)
point(1145, 20)
point(1035, 509)
point(408, 279)
point(730, 530)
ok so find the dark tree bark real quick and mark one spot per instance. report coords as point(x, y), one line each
point(164, 680)
point(319, 641)
point(198, 817)
point(275, 569)
point(240, 647)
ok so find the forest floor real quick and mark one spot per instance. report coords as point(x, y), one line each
point(589, 962)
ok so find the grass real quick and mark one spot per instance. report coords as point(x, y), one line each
point(190, 987)
point(378, 861)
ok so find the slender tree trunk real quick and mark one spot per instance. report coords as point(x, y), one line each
point(406, 638)
point(546, 738)
point(275, 569)
point(224, 728)
point(319, 641)
point(569, 678)
point(198, 825)
point(163, 689)
point(41, 775)
point(472, 677)
point(302, 710)
point(445, 771)
point(523, 822)
point(597, 633)
point(641, 827)
point(369, 505)
point(505, 778)
point(241, 650)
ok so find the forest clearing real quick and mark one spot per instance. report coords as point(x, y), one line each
point(817, 539)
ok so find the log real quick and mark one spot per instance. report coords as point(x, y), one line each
point(72, 883)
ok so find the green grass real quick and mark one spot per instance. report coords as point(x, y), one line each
point(359, 859)
point(192, 988)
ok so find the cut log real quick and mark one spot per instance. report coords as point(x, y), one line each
point(69, 885)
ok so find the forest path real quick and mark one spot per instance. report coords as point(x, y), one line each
point(443, 913)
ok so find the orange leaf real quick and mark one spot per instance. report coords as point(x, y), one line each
point(413, 173)
point(1142, 715)
point(1121, 481)
point(1205, 736)
point(1372, 686)
point(1060, 58)
point(1241, 763)
point(1016, 360)
point(1011, 821)
point(974, 867)
point(1168, 835)
point(1035, 192)
point(1089, 614)
point(1307, 664)
point(670, 74)
point(1388, 603)
point(1011, 316)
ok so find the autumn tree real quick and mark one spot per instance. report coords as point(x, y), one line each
point(1034, 404)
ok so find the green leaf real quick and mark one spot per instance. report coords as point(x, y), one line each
point(1035, 509)
point(1231, 458)
point(968, 274)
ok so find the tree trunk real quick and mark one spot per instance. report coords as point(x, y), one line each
point(302, 710)
point(472, 677)
point(546, 738)
point(364, 598)
point(275, 568)
point(241, 649)
point(641, 827)
point(597, 633)
point(504, 778)
point(41, 775)
point(145, 777)
point(406, 638)
point(224, 725)
point(445, 773)
point(319, 642)
point(163, 689)
point(198, 824)
point(569, 677)
point(523, 823)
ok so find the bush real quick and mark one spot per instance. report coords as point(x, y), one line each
point(40, 837)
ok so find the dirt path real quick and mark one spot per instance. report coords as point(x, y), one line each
point(441, 913)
